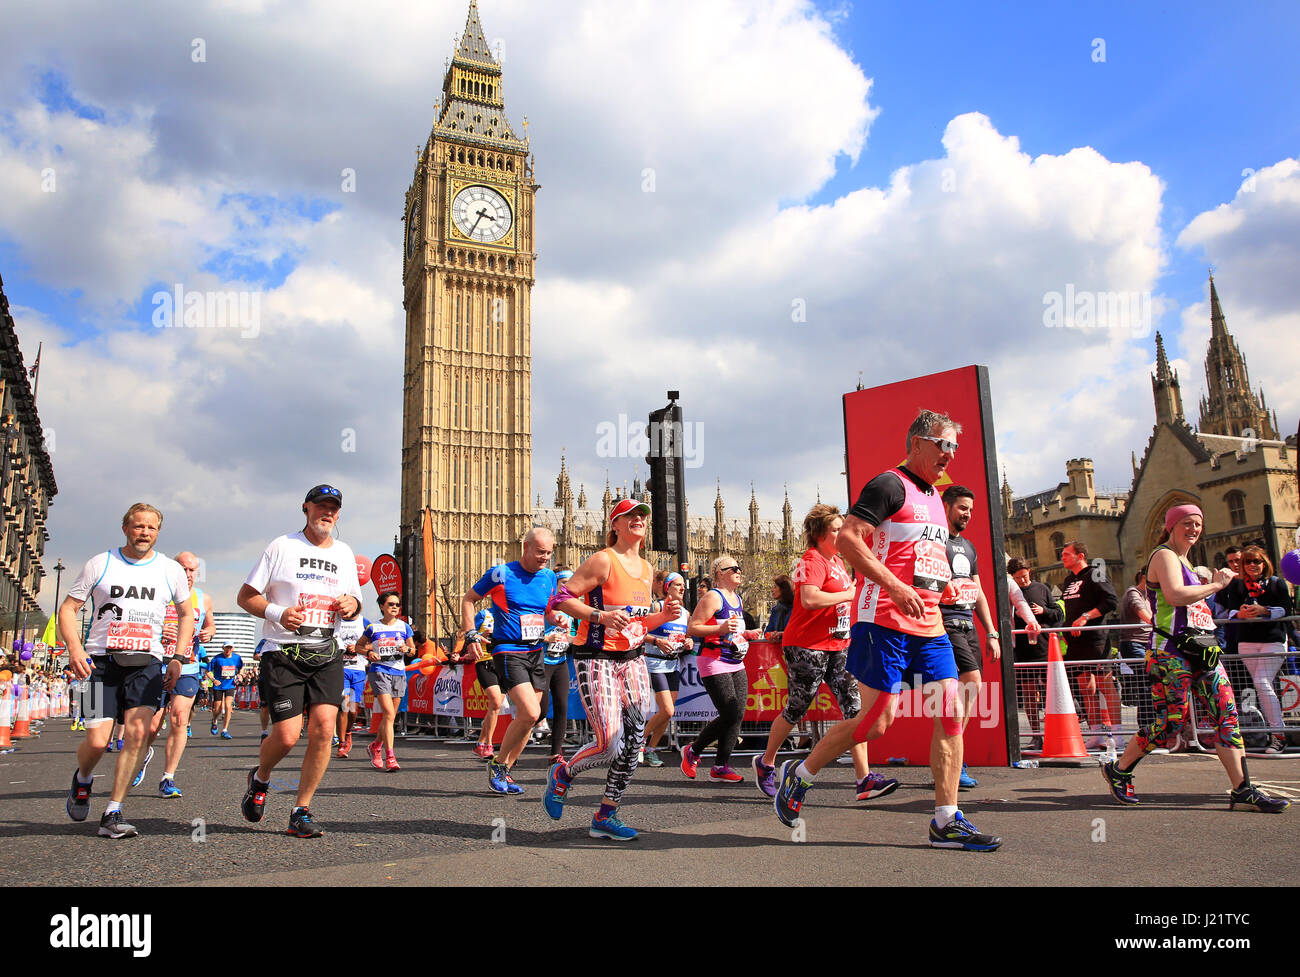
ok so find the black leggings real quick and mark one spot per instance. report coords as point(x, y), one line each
point(555, 690)
point(729, 692)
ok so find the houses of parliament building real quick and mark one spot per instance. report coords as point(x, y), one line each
point(469, 266)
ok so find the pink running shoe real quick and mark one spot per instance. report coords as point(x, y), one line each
point(725, 773)
point(391, 764)
point(376, 752)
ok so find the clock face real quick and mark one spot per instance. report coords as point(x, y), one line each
point(481, 214)
point(413, 230)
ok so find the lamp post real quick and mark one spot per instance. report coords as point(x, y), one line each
point(58, 577)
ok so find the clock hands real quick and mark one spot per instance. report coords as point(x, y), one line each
point(481, 214)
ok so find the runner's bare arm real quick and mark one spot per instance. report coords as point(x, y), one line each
point(709, 605)
point(209, 623)
point(593, 572)
point(1166, 571)
point(814, 598)
point(254, 603)
point(78, 661)
point(853, 544)
point(467, 603)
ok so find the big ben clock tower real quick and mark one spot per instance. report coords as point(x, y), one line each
point(468, 256)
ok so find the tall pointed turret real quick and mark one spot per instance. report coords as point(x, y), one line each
point(787, 520)
point(1164, 387)
point(1229, 407)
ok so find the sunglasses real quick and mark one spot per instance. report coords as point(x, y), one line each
point(731, 570)
point(946, 446)
point(1253, 563)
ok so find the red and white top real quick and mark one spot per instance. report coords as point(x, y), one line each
point(911, 542)
point(827, 628)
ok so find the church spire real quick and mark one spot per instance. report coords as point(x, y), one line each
point(473, 105)
point(1164, 388)
point(1229, 407)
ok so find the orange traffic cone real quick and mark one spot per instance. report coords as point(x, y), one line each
point(6, 715)
point(1062, 737)
point(22, 714)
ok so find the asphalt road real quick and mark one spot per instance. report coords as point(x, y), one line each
point(435, 822)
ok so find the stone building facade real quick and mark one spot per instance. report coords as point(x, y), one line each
point(1232, 465)
point(27, 485)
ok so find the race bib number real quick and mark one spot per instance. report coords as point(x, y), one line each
point(388, 647)
point(1199, 617)
point(531, 627)
point(930, 569)
point(319, 615)
point(129, 636)
point(560, 647)
point(227, 672)
point(841, 629)
point(961, 594)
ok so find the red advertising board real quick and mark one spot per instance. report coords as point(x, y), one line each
point(875, 430)
point(769, 688)
point(386, 574)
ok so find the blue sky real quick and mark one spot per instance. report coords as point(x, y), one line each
point(1197, 91)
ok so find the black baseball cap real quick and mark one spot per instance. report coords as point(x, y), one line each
point(322, 493)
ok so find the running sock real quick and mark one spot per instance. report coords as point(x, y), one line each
point(803, 773)
point(296, 810)
point(169, 775)
point(112, 806)
point(605, 811)
point(85, 781)
point(944, 814)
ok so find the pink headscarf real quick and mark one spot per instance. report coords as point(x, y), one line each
point(1180, 512)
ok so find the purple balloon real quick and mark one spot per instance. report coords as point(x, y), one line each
point(29, 647)
point(1291, 567)
point(24, 655)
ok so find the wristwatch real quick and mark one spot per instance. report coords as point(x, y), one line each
point(595, 616)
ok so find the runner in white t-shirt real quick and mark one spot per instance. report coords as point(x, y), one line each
point(304, 584)
point(354, 682)
point(121, 663)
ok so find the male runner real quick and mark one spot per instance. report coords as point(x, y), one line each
point(895, 538)
point(180, 701)
point(225, 670)
point(121, 665)
point(520, 591)
point(1088, 596)
point(303, 585)
point(961, 600)
point(354, 682)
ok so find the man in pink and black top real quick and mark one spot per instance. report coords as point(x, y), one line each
point(896, 537)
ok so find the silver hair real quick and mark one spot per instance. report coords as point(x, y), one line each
point(925, 423)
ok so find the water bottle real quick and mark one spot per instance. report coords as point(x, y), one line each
point(1026, 764)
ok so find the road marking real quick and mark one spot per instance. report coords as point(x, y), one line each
point(12, 782)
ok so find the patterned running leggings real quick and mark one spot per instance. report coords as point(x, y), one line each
point(1172, 683)
point(617, 697)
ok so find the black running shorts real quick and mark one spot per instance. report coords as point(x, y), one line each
point(520, 668)
point(487, 674)
point(290, 688)
point(665, 681)
point(966, 649)
point(112, 689)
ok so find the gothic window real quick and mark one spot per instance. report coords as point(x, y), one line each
point(1031, 548)
point(478, 118)
point(480, 159)
point(1058, 544)
point(510, 166)
point(492, 262)
point(455, 417)
point(510, 264)
point(498, 410)
point(451, 255)
point(499, 503)
point(1236, 508)
point(461, 154)
point(455, 483)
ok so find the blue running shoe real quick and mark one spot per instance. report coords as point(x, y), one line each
point(168, 788)
point(78, 799)
point(960, 833)
point(511, 786)
point(790, 794)
point(966, 781)
point(189, 731)
point(765, 777)
point(225, 735)
point(497, 777)
point(119, 744)
point(611, 828)
point(110, 748)
point(875, 785)
point(556, 790)
point(143, 767)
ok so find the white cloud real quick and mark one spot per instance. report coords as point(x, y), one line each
point(1253, 244)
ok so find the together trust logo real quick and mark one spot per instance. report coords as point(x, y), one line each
point(190, 309)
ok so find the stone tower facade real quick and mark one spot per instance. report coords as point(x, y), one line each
point(468, 274)
point(1229, 407)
